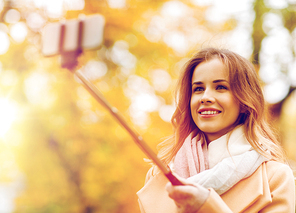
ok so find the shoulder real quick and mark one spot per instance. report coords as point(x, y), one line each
point(277, 168)
point(279, 174)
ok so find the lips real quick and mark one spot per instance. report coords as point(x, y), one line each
point(209, 111)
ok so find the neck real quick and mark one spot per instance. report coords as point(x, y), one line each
point(214, 136)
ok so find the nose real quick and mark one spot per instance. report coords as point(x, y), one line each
point(207, 97)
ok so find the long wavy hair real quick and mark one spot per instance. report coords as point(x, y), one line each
point(246, 88)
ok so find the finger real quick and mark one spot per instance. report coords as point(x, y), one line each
point(180, 193)
point(169, 187)
point(184, 180)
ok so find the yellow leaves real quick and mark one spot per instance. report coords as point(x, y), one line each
point(229, 25)
point(287, 126)
point(9, 168)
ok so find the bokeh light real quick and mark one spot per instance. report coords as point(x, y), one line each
point(161, 79)
point(19, 32)
point(8, 114)
point(56, 8)
point(12, 16)
point(35, 21)
point(4, 42)
point(277, 90)
point(94, 70)
point(37, 88)
point(121, 56)
point(116, 4)
point(166, 112)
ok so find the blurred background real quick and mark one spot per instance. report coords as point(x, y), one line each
point(60, 151)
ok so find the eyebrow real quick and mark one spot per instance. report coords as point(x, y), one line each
point(215, 81)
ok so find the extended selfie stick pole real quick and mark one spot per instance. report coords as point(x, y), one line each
point(69, 62)
point(137, 138)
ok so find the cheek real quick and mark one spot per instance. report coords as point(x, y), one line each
point(194, 103)
point(235, 107)
point(230, 104)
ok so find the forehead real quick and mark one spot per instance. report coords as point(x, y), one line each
point(210, 70)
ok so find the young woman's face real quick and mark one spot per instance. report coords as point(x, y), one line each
point(214, 109)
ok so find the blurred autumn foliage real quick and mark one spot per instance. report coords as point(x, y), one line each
point(64, 152)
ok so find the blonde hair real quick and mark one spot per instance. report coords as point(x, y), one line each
point(247, 90)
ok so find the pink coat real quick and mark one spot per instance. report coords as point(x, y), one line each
point(271, 188)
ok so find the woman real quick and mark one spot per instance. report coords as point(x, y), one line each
point(223, 149)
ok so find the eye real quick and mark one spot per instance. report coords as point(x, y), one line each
point(221, 87)
point(198, 89)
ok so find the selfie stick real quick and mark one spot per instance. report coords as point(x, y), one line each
point(69, 61)
point(137, 138)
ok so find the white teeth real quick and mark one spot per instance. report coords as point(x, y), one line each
point(209, 112)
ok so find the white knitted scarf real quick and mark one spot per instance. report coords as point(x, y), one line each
point(229, 161)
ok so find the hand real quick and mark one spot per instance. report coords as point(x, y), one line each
point(188, 197)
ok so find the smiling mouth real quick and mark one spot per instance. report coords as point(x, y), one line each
point(209, 112)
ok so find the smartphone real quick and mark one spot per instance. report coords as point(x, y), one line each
point(92, 35)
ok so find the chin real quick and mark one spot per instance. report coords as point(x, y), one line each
point(213, 130)
point(210, 129)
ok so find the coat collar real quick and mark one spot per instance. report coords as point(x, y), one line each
point(253, 191)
